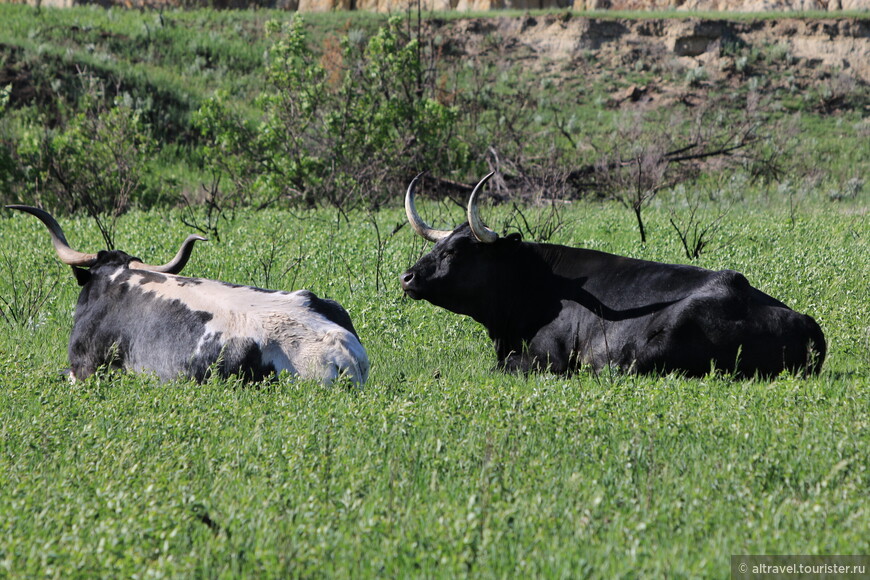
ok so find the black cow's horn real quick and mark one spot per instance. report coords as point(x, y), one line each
point(175, 265)
point(66, 254)
point(421, 227)
point(478, 228)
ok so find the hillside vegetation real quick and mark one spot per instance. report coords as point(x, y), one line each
point(342, 109)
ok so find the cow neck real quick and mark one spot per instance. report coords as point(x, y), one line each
point(529, 296)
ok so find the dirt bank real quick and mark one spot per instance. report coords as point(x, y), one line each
point(821, 47)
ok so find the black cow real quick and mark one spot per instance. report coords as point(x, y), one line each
point(145, 318)
point(557, 308)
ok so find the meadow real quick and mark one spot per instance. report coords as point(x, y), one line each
point(440, 466)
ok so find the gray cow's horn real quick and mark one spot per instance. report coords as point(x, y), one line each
point(175, 265)
point(421, 227)
point(478, 228)
point(66, 254)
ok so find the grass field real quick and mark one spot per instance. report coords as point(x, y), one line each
point(439, 466)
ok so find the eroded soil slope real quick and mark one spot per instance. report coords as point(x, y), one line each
point(799, 53)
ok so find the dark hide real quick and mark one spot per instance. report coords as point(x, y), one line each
point(558, 308)
point(332, 311)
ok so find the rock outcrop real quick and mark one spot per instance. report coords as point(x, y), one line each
point(835, 45)
point(724, 5)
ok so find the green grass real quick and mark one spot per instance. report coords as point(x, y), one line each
point(439, 466)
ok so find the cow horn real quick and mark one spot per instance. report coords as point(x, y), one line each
point(66, 254)
point(175, 265)
point(478, 228)
point(421, 227)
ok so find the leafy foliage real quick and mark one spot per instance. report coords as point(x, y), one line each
point(391, 100)
point(98, 164)
point(97, 161)
point(342, 129)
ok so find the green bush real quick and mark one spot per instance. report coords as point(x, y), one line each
point(92, 154)
point(344, 128)
point(351, 105)
point(98, 163)
point(7, 159)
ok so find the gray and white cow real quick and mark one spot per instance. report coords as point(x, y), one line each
point(145, 318)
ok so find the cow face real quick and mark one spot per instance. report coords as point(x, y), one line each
point(105, 263)
point(461, 272)
point(469, 267)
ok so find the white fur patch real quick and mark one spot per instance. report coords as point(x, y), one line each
point(291, 335)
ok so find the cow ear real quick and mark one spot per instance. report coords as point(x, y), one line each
point(514, 237)
point(83, 275)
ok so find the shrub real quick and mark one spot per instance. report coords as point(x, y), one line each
point(343, 129)
point(96, 161)
point(8, 167)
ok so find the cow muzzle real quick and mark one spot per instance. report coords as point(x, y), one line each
point(409, 285)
